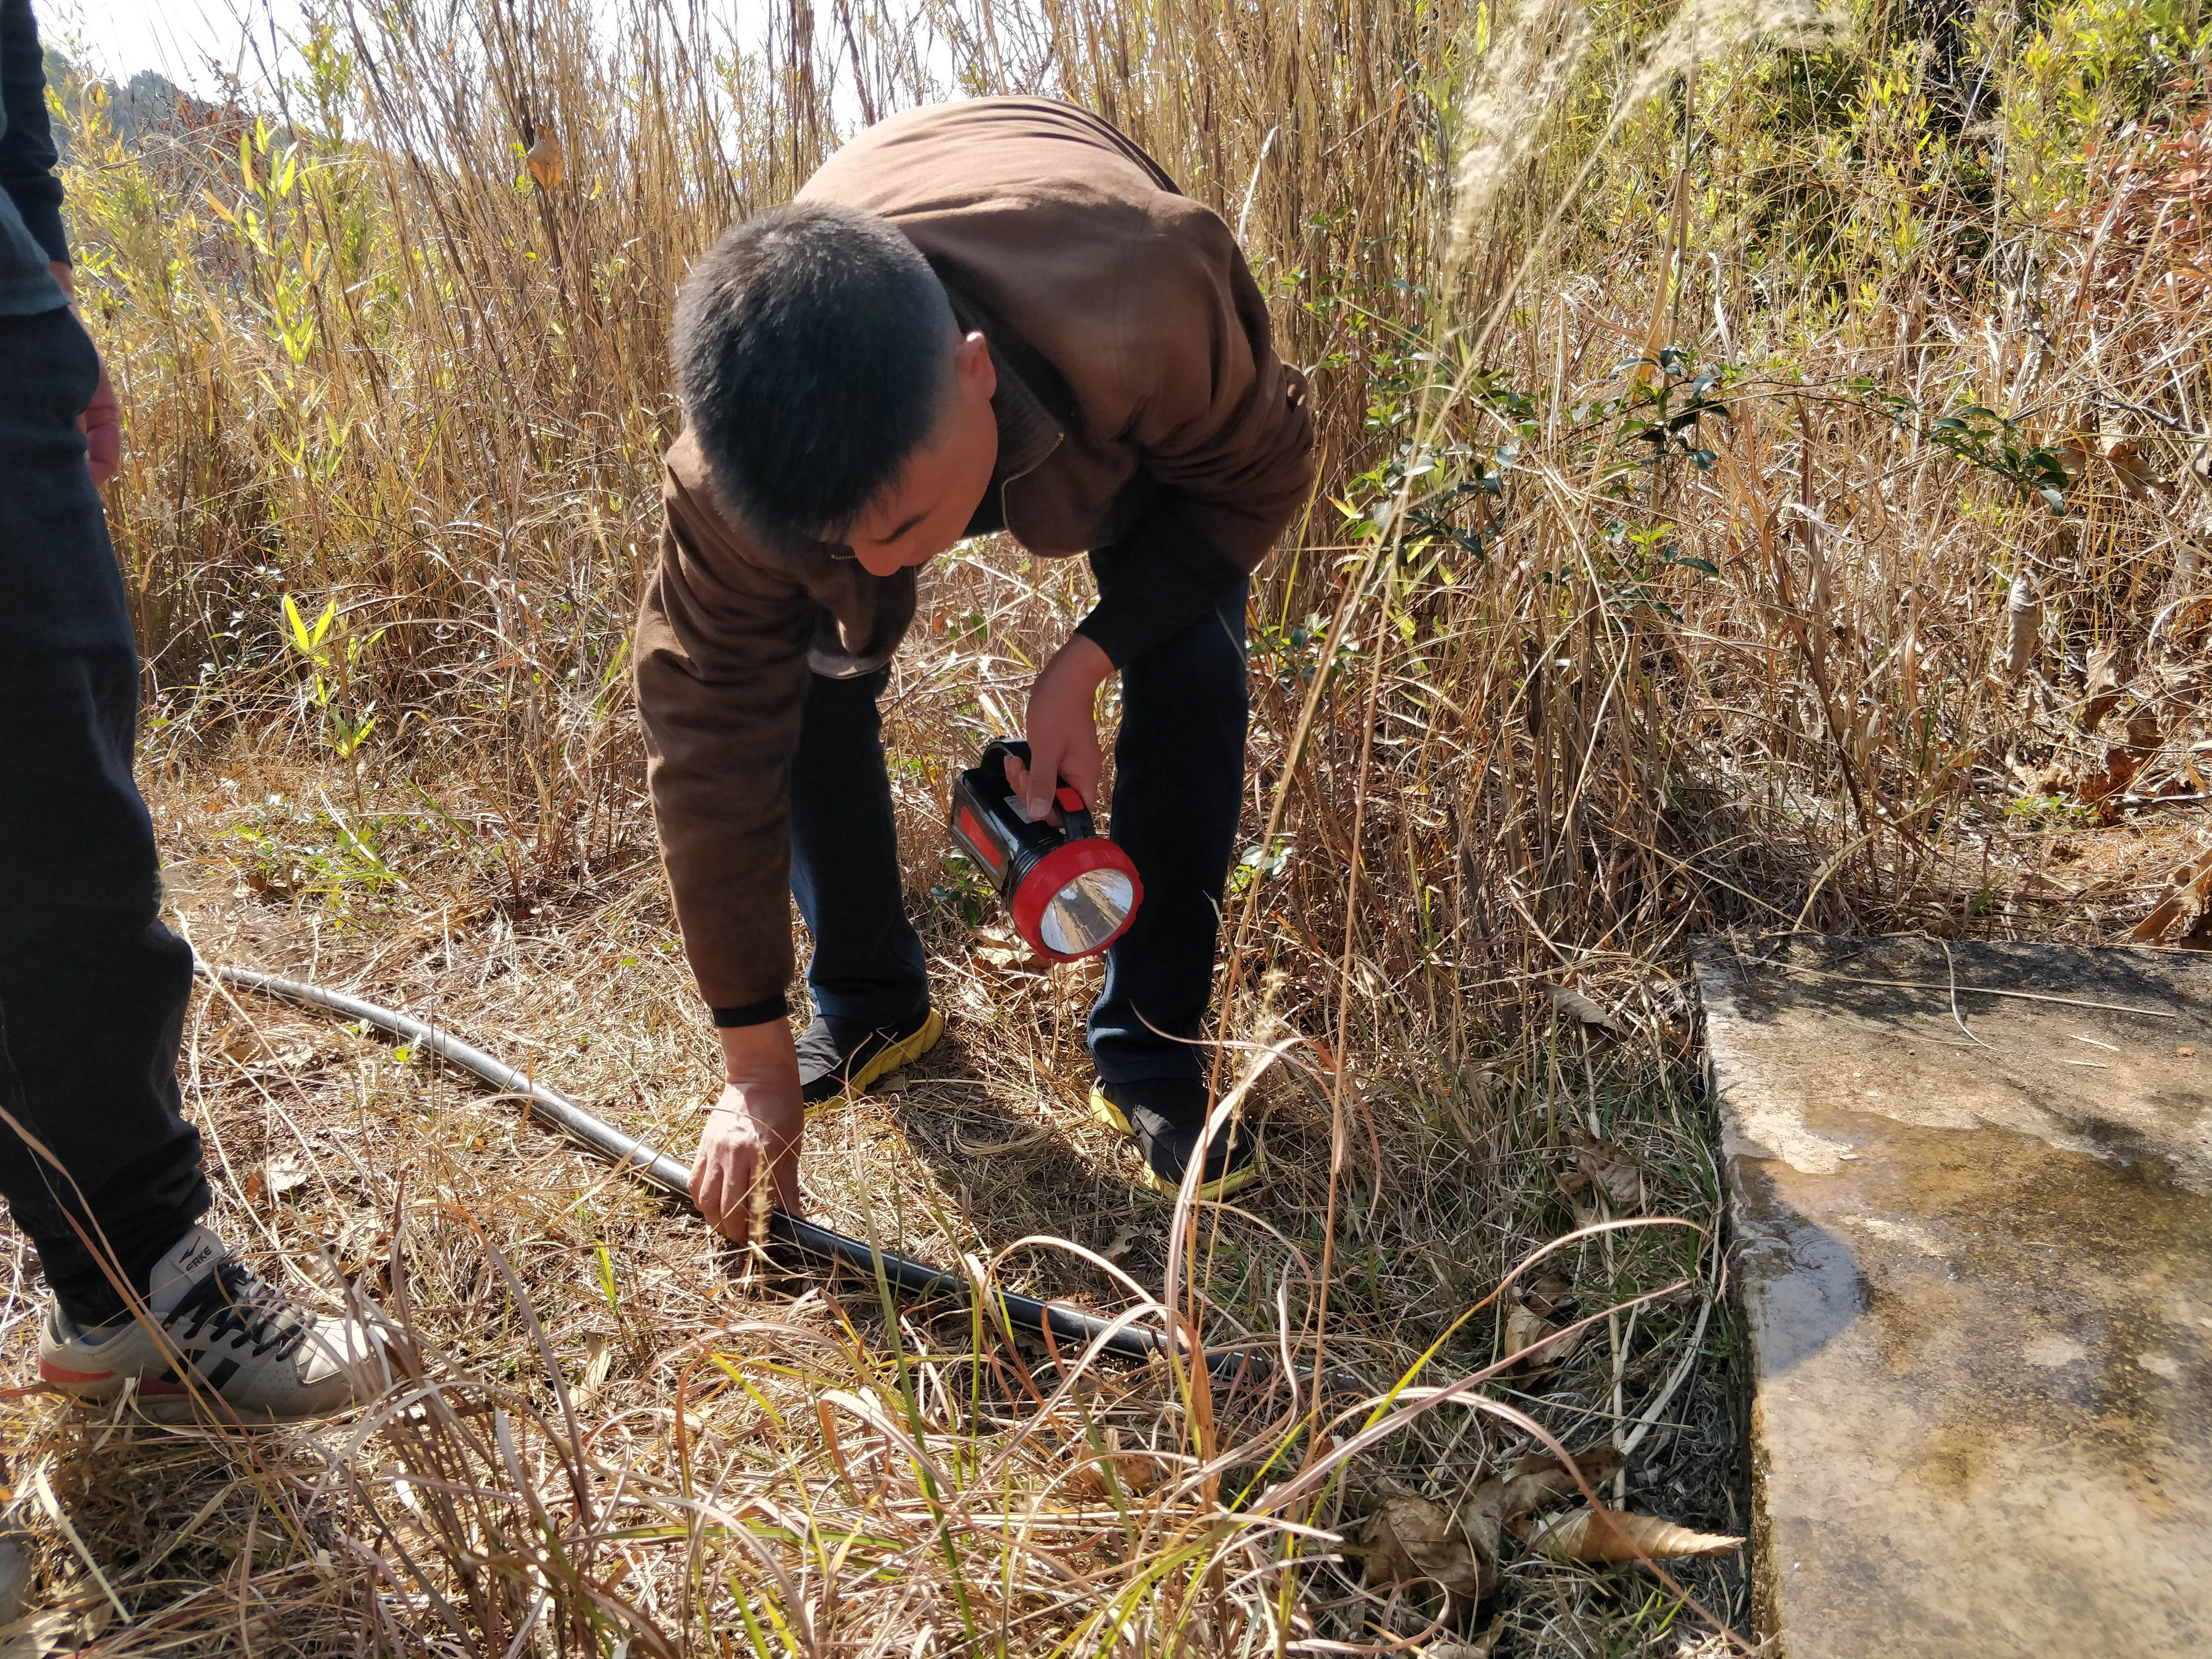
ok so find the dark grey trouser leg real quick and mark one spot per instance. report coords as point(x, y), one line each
point(1178, 786)
point(93, 987)
point(868, 966)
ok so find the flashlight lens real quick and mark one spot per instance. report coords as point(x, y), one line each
point(1083, 915)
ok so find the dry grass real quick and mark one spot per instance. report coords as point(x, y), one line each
point(1551, 678)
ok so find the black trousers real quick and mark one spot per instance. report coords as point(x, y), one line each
point(1179, 775)
point(93, 987)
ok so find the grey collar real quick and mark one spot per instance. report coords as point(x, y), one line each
point(1027, 431)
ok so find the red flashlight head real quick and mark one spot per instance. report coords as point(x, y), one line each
point(1078, 899)
point(1071, 892)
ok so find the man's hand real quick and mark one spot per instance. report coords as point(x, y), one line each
point(102, 420)
point(1063, 730)
point(757, 1123)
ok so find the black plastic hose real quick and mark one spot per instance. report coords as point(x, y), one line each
point(905, 1275)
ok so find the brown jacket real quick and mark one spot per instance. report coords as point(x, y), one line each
point(1140, 405)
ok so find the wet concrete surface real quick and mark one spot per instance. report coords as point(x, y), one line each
point(1974, 1250)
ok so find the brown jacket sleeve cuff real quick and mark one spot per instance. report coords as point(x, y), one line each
point(753, 1014)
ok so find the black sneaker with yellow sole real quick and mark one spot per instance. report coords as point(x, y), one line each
point(1165, 1116)
point(838, 1059)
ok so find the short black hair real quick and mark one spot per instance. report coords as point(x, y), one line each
point(813, 355)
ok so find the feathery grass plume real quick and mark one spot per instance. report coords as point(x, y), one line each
point(1529, 61)
point(1526, 71)
point(1703, 31)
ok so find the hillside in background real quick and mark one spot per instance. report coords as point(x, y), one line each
point(144, 114)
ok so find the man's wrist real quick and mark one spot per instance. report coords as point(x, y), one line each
point(757, 1054)
point(1081, 663)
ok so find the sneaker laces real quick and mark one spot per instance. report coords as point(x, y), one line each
point(235, 1305)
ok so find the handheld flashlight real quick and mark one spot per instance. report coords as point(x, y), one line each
point(1071, 892)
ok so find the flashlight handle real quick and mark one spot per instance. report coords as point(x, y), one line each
point(1075, 816)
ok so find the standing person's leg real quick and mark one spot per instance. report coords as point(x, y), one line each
point(869, 977)
point(93, 987)
point(1178, 790)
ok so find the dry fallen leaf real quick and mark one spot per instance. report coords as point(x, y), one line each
point(2023, 628)
point(2145, 732)
point(1481, 1646)
point(237, 1039)
point(1137, 1471)
point(1617, 1536)
point(1482, 1517)
point(1550, 1294)
point(2123, 760)
point(284, 1173)
point(1524, 1328)
point(2188, 898)
point(1119, 1247)
point(2126, 457)
point(1007, 960)
point(1467, 1647)
point(1574, 1005)
point(1135, 1474)
point(2105, 684)
point(1575, 1186)
point(1540, 1477)
point(39, 1634)
point(1410, 1537)
point(1613, 1169)
point(993, 1148)
point(599, 1360)
point(547, 164)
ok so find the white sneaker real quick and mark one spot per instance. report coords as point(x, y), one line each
point(244, 1341)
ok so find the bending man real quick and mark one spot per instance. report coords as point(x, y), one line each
point(994, 315)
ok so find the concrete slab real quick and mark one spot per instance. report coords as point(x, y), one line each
point(1974, 1246)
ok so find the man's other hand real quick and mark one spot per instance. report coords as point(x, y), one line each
point(102, 420)
point(757, 1123)
point(1063, 732)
